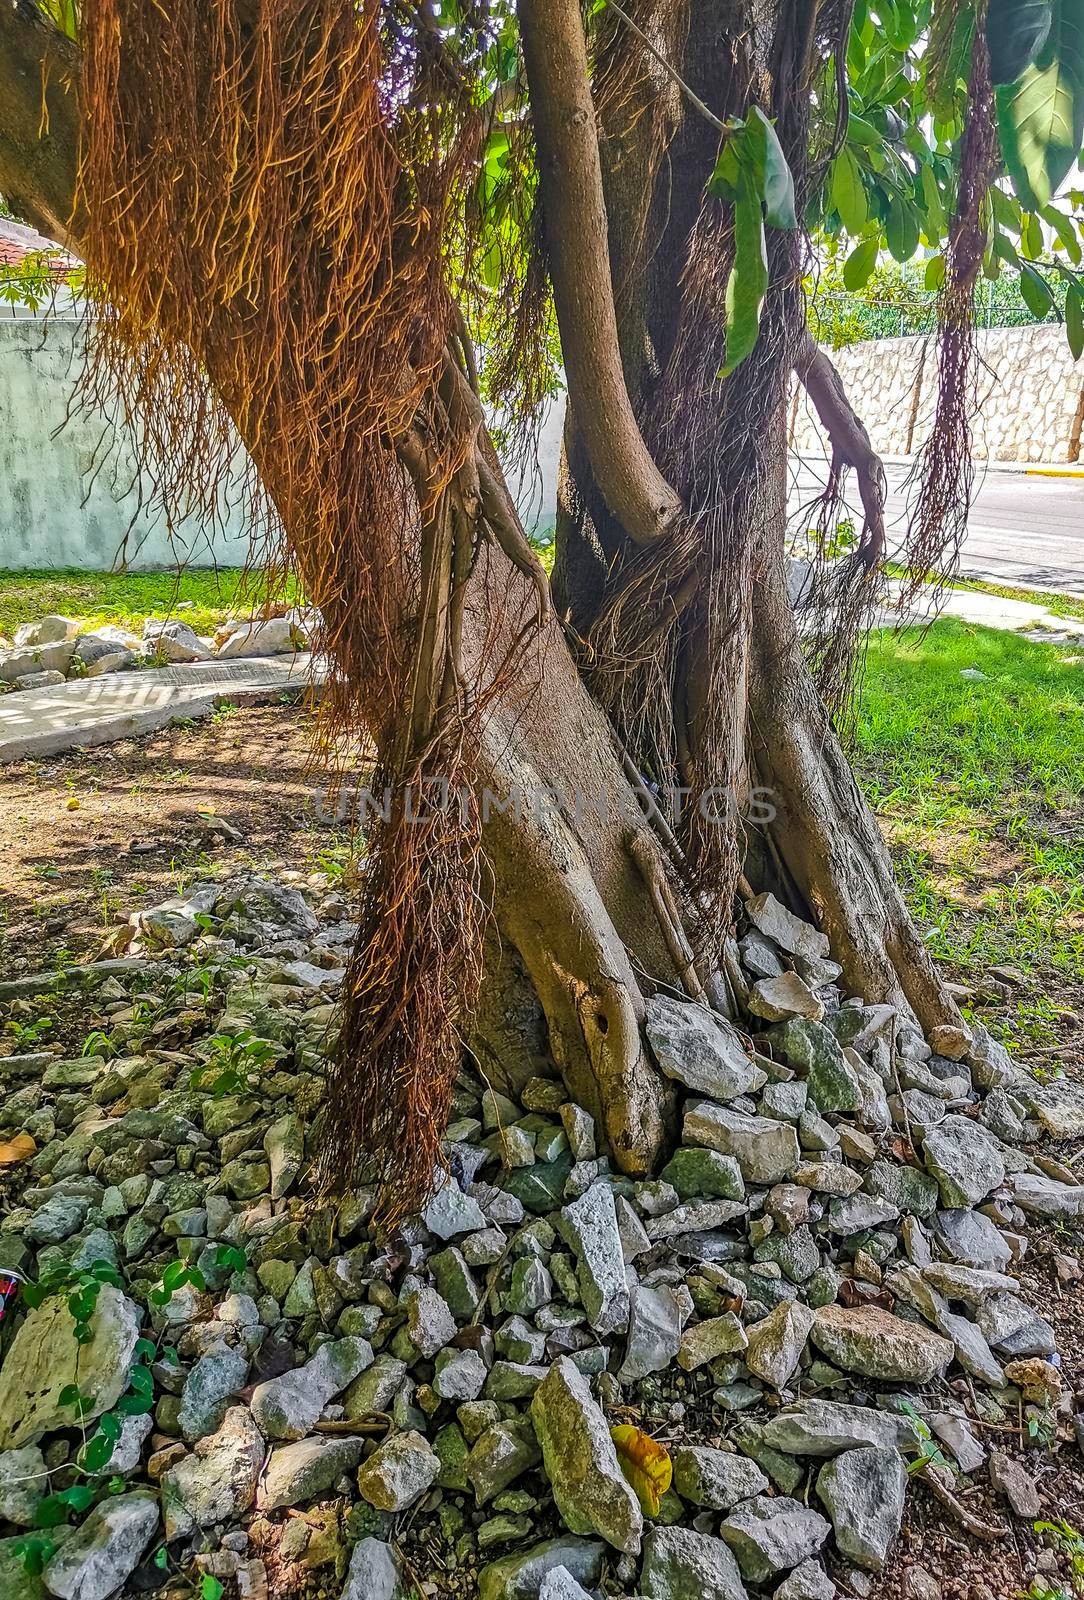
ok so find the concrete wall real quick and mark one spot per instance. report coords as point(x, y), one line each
point(1030, 395)
point(55, 509)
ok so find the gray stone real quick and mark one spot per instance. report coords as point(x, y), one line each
point(863, 1492)
point(874, 1343)
point(299, 1472)
point(680, 1564)
point(789, 932)
point(559, 1584)
point(530, 1287)
point(808, 1581)
point(966, 1161)
point(174, 641)
point(57, 1219)
point(589, 1227)
point(698, 1048)
point(717, 1479)
point(705, 1174)
point(520, 1576)
point(814, 1050)
point(284, 1143)
point(460, 1375)
point(907, 1188)
point(1013, 1328)
point(776, 1344)
point(779, 999)
point(430, 1324)
point(656, 1319)
point(765, 1150)
point(45, 1358)
point(15, 664)
point(399, 1472)
point(451, 1212)
point(860, 1213)
point(589, 1488)
point(375, 1389)
point(98, 1558)
point(770, 1535)
point(208, 1389)
point(127, 1450)
point(52, 629)
point(717, 1336)
point(500, 1455)
point(1041, 1196)
point(288, 1406)
point(972, 1239)
point(216, 1483)
point(376, 1573)
point(825, 1427)
point(24, 1483)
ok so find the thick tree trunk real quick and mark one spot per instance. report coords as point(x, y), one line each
point(590, 916)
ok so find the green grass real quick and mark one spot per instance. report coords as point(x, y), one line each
point(980, 788)
point(126, 598)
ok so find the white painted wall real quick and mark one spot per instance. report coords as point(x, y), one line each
point(55, 511)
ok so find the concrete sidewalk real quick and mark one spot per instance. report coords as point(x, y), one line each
point(1028, 617)
point(120, 705)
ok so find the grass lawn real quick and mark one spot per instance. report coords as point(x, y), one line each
point(126, 598)
point(979, 786)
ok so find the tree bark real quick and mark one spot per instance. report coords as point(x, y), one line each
point(589, 916)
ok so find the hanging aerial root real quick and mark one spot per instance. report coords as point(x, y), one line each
point(275, 197)
point(410, 987)
point(946, 474)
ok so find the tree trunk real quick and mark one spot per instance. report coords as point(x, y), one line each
point(596, 907)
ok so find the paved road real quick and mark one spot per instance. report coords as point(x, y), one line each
point(1023, 529)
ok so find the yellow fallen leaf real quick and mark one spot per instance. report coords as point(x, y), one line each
point(21, 1148)
point(72, 803)
point(646, 1464)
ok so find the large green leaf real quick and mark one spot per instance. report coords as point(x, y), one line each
point(859, 265)
point(1074, 321)
point(1041, 116)
point(775, 182)
point(748, 281)
point(1036, 295)
point(1016, 31)
point(848, 192)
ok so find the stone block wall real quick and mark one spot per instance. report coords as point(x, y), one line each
point(1030, 399)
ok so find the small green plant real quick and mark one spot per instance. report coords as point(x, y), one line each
point(82, 1285)
point(929, 1451)
point(98, 1043)
point(234, 1058)
point(1041, 1426)
point(27, 1034)
point(223, 711)
point(176, 1276)
point(1069, 1543)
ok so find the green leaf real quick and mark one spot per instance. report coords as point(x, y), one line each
point(1036, 294)
point(862, 132)
point(96, 1453)
point(748, 281)
point(1016, 31)
point(1074, 320)
point(1041, 116)
point(210, 1587)
point(860, 264)
point(848, 192)
point(901, 227)
point(935, 273)
point(776, 184)
point(1031, 237)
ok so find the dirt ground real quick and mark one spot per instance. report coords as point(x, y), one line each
point(87, 838)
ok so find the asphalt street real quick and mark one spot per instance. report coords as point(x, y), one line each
point(1023, 529)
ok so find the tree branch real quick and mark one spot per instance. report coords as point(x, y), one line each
point(850, 443)
point(555, 53)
